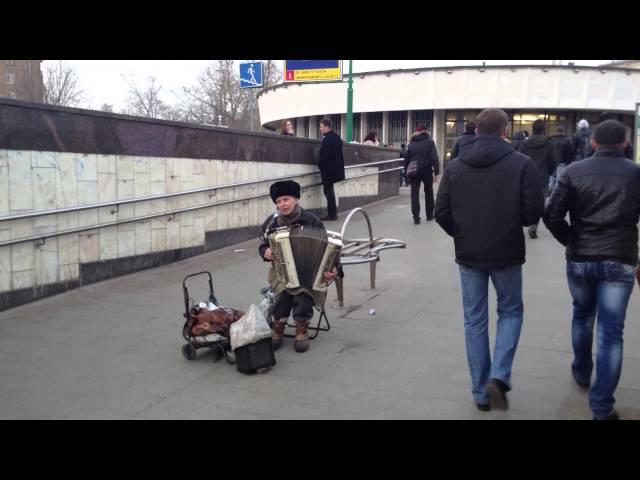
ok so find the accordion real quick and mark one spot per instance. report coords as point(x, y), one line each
point(301, 255)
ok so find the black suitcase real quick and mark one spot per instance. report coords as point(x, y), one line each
point(250, 358)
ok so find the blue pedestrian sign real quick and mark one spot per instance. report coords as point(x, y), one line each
point(251, 75)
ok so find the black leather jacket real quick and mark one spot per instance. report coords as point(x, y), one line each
point(602, 196)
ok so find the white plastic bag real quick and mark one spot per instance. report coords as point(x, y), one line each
point(250, 328)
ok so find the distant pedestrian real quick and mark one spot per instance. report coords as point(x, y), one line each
point(331, 165)
point(371, 139)
point(540, 149)
point(468, 136)
point(286, 128)
point(422, 149)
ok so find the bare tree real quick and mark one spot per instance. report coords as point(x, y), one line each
point(216, 93)
point(144, 101)
point(61, 86)
point(106, 107)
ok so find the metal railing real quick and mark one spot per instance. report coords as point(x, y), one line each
point(117, 203)
point(172, 213)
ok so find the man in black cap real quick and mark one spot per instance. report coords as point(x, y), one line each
point(602, 195)
point(628, 151)
point(299, 302)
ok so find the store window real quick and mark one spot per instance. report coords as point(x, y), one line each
point(357, 118)
point(423, 117)
point(374, 123)
point(397, 128)
point(336, 121)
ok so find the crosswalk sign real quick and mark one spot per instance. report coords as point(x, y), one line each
point(251, 75)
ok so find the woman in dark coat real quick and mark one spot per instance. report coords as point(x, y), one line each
point(423, 149)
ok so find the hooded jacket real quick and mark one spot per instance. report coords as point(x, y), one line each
point(562, 151)
point(540, 149)
point(486, 196)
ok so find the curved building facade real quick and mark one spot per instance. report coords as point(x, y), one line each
point(393, 102)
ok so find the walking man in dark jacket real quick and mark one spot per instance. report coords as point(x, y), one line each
point(461, 141)
point(331, 166)
point(540, 149)
point(562, 153)
point(486, 196)
point(581, 141)
point(602, 195)
point(422, 149)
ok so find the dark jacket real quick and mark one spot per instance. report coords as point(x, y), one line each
point(423, 149)
point(270, 224)
point(581, 144)
point(540, 149)
point(602, 195)
point(460, 142)
point(485, 198)
point(331, 161)
point(517, 139)
point(562, 152)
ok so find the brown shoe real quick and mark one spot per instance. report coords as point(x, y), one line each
point(277, 328)
point(497, 391)
point(302, 341)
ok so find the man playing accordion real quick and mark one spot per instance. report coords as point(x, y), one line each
point(299, 301)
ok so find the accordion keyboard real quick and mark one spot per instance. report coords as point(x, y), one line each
point(302, 255)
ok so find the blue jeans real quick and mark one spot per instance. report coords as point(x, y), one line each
point(475, 286)
point(605, 288)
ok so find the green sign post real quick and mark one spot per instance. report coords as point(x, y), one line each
point(349, 135)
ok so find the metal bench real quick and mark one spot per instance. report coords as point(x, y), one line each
point(362, 250)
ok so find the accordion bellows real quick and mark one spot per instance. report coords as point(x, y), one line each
point(302, 254)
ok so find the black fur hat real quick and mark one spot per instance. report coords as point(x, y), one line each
point(285, 187)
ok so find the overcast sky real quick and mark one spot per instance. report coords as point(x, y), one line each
point(104, 81)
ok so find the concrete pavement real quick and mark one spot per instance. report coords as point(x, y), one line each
point(111, 350)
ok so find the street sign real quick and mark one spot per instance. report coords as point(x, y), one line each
point(251, 75)
point(312, 70)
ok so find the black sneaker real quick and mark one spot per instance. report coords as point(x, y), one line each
point(483, 407)
point(430, 219)
point(612, 416)
point(497, 392)
point(416, 221)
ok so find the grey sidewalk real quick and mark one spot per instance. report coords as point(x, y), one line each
point(112, 350)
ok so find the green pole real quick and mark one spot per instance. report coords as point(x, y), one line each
point(349, 136)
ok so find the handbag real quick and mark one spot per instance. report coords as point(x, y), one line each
point(412, 169)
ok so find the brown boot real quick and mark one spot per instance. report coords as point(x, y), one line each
point(277, 327)
point(302, 341)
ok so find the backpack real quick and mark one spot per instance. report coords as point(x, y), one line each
point(584, 148)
